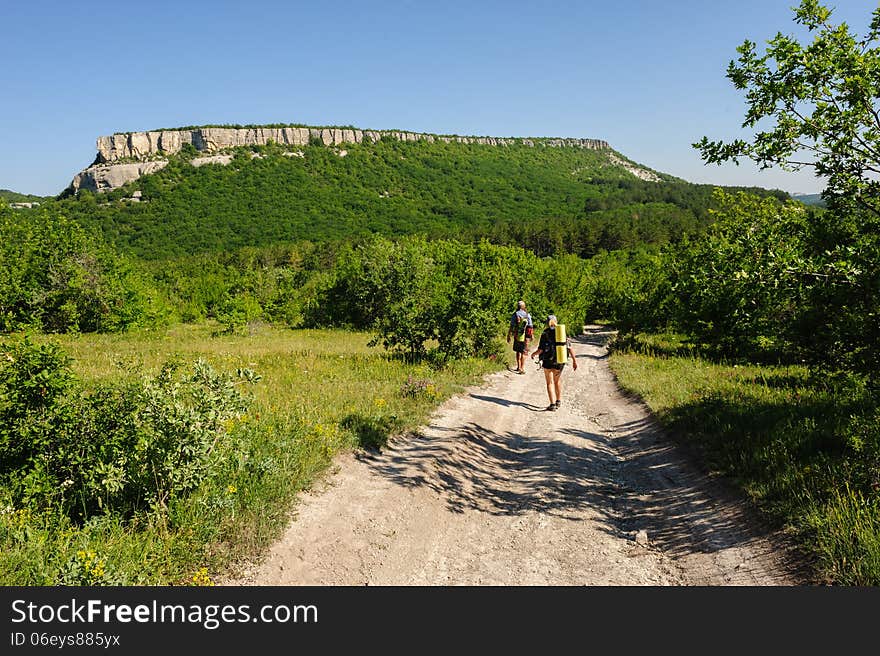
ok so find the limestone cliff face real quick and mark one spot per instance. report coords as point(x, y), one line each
point(166, 142)
point(107, 177)
point(108, 172)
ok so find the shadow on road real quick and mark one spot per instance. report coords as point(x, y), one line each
point(634, 483)
point(629, 478)
point(594, 336)
point(499, 473)
point(506, 402)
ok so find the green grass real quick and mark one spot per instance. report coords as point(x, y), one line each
point(804, 447)
point(321, 392)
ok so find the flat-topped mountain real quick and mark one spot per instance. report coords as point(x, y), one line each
point(215, 188)
point(164, 142)
point(124, 157)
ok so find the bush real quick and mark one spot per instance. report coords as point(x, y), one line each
point(418, 387)
point(415, 293)
point(55, 276)
point(784, 281)
point(124, 447)
point(630, 288)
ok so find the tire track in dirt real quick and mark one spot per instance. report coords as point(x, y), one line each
point(495, 490)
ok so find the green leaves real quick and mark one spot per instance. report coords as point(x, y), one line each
point(822, 100)
point(419, 295)
point(811, 14)
point(807, 284)
point(56, 276)
point(739, 286)
point(129, 446)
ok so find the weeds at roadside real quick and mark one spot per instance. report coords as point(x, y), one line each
point(805, 447)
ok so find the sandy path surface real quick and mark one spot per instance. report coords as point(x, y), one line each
point(498, 491)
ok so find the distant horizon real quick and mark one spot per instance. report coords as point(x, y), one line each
point(648, 78)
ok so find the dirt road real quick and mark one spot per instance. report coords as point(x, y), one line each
point(498, 491)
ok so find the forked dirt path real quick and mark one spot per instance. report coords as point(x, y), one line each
point(498, 491)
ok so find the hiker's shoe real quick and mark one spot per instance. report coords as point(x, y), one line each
point(552, 406)
point(557, 404)
point(520, 371)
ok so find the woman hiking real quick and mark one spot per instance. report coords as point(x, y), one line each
point(547, 353)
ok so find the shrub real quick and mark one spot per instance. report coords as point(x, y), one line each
point(418, 387)
point(55, 276)
point(122, 447)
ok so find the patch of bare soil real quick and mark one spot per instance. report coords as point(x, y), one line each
point(496, 490)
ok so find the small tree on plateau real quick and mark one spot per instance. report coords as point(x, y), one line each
point(822, 100)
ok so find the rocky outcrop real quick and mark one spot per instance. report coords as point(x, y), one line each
point(140, 145)
point(212, 159)
point(638, 171)
point(125, 157)
point(106, 177)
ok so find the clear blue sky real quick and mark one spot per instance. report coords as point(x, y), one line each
point(648, 77)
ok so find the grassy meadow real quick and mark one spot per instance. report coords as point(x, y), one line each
point(802, 446)
point(319, 392)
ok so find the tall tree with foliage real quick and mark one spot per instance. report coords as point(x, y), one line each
point(57, 277)
point(822, 101)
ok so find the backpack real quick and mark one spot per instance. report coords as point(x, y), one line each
point(522, 329)
point(547, 346)
point(554, 346)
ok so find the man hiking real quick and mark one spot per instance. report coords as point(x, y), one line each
point(520, 330)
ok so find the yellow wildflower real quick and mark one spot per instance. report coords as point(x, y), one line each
point(201, 577)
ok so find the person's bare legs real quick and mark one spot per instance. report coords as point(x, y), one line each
point(557, 384)
point(551, 384)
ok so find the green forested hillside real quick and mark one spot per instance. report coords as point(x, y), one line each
point(543, 197)
point(810, 199)
point(15, 197)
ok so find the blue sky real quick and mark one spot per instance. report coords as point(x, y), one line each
point(648, 77)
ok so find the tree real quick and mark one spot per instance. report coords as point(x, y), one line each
point(56, 276)
point(823, 101)
point(742, 288)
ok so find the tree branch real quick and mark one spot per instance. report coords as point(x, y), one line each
point(875, 155)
